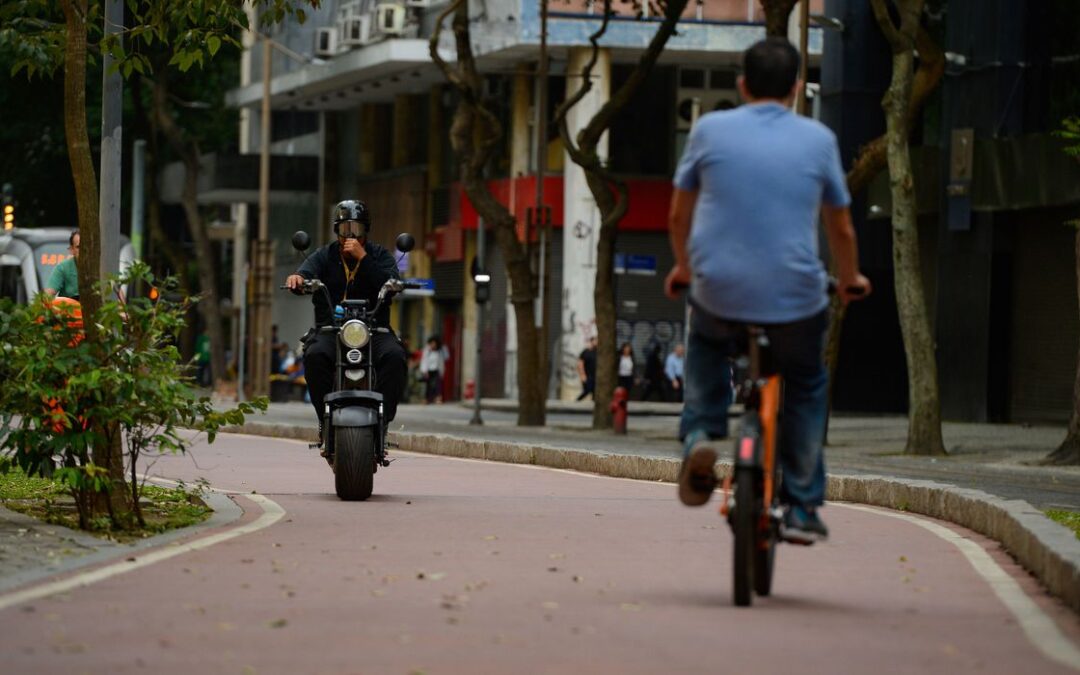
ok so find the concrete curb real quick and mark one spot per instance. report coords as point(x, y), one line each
point(225, 511)
point(1046, 549)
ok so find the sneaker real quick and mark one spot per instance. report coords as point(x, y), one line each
point(802, 526)
point(697, 477)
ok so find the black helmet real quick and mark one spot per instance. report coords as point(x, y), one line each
point(351, 209)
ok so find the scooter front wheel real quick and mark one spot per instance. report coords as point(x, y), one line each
point(354, 462)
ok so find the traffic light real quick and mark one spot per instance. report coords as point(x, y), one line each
point(483, 287)
point(9, 206)
point(483, 282)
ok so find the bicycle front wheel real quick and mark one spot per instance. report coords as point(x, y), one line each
point(745, 526)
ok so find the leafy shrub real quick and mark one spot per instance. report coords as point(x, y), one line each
point(87, 411)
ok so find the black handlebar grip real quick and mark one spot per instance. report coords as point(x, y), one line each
point(679, 286)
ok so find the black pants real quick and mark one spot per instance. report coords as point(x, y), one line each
point(387, 353)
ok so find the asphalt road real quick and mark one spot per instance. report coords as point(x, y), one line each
point(457, 566)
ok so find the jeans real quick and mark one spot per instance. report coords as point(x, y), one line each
point(320, 357)
point(797, 356)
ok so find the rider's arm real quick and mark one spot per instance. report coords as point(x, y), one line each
point(841, 235)
point(845, 253)
point(679, 219)
point(313, 265)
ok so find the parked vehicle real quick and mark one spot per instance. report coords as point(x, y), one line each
point(28, 256)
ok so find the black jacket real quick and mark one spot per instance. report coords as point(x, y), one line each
point(325, 264)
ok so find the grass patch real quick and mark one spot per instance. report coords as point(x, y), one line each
point(163, 509)
point(1070, 519)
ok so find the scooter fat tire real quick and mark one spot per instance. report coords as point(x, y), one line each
point(354, 462)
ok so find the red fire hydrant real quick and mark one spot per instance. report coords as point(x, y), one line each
point(470, 390)
point(618, 409)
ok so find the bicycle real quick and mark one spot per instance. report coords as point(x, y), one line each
point(756, 513)
point(755, 472)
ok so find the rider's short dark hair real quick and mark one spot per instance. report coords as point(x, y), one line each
point(770, 68)
point(71, 237)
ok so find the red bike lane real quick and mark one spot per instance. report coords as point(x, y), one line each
point(457, 566)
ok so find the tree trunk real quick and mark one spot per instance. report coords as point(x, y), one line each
point(106, 453)
point(612, 205)
point(924, 407)
point(870, 162)
point(82, 165)
point(1069, 450)
point(776, 16)
point(474, 134)
point(209, 304)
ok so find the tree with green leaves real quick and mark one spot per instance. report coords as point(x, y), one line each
point(924, 404)
point(44, 40)
point(57, 385)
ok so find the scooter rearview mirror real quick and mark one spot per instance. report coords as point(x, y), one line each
point(405, 242)
point(301, 241)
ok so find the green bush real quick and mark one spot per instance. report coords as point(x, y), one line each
point(69, 401)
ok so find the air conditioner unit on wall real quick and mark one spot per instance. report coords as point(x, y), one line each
point(389, 19)
point(355, 30)
point(326, 41)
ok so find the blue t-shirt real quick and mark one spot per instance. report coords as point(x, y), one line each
point(761, 173)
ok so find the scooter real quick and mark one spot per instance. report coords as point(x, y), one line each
point(354, 425)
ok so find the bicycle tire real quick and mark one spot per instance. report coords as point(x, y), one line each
point(764, 564)
point(745, 527)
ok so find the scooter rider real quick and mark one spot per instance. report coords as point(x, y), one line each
point(352, 268)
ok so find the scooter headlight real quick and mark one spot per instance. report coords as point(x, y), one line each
point(355, 334)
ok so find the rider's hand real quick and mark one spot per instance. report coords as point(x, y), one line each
point(678, 276)
point(295, 282)
point(354, 248)
point(854, 289)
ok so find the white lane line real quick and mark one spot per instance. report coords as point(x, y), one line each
point(1039, 628)
point(271, 513)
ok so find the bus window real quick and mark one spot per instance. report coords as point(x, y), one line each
point(11, 284)
point(47, 257)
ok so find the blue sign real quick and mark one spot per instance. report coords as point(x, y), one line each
point(426, 290)
point(632, 263)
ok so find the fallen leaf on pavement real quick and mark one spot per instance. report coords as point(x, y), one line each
point(278, 623)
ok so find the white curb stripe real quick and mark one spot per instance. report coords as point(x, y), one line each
point(1040, 629)
point(272, 512)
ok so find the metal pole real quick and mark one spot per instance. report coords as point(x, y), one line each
point(480, 248)
point(138, 199)
point(241, 344)
point(112, 118)
point(260, 377)
point(541, 170)
point(804, 52)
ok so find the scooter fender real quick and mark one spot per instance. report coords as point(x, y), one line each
point(354, 416)
point(354, 408)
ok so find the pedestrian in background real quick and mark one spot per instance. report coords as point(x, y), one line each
point(433, 365)
point(586, 367)
point(673, 371)
point(626, 367)
point(654, 375)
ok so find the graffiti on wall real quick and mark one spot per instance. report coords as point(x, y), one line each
point(644, 335)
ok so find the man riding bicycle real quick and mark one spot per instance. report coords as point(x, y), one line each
point(747, 194)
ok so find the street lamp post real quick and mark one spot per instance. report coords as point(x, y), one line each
point(262, 250)
point(262, 253)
